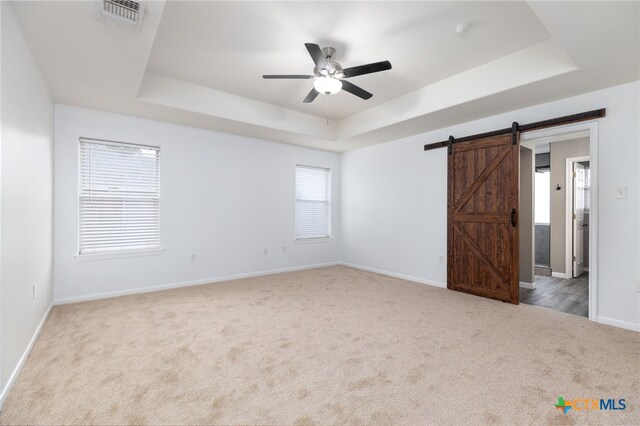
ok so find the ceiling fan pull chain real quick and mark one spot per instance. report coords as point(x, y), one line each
point(327, 110)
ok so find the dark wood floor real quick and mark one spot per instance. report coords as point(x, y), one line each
point(559, 294)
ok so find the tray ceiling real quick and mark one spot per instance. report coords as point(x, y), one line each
point(200, 63)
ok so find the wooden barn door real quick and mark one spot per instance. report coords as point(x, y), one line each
point(483, 252)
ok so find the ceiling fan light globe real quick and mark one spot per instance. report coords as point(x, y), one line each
point(327, 85)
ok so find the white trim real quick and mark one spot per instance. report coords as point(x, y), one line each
point(23, 358)
point(593, 221)
point(117, 255)
point(150, 289)
point(617, 323)
point(592, 126)
point(568, 217)
point(531, 286)
point(559, 275)
point(312, 240)
point(395, 275)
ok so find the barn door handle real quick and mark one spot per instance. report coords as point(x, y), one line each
point(513, 217)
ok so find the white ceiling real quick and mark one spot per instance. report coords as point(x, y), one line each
point(200, 63)
point(217, 50)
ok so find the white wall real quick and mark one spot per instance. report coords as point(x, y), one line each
point(26, 186)
point(224, 198)
point(394, 199)
point(394, 209)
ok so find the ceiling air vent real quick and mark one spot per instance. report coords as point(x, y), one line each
point(128, 11)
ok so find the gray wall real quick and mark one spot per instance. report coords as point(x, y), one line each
point(542, 245)
point(525, 219)
point(560, 151)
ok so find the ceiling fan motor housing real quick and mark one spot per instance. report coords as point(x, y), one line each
point(328, 52)
point(335, 69)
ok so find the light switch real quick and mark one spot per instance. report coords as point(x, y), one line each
point(621, 192)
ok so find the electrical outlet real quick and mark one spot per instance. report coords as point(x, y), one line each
point(266, 251)
point(284, 249)
point(35, 291)
point(441, 259)
point(194, 258)
point(621, 192)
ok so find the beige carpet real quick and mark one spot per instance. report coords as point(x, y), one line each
point(326, 346)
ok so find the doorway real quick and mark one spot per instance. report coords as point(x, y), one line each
point(559, 168)
point(579, 174)
point(463, 185)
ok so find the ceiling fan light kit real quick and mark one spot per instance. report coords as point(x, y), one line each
point(327, 85)
point(328, 74)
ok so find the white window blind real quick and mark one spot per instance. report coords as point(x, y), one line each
point(119, 197)
point(313, 196)
point(587, 189)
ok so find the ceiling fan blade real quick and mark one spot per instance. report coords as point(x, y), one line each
point(301, 77)
point(367, 69)
point(355, 90)
point(317, 56)
point(311, 96)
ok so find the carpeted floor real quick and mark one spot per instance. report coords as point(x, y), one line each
point(326, 346)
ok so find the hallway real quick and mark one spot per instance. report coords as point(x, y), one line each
point(559, 294)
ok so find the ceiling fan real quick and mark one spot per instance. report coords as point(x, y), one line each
point(329, 75)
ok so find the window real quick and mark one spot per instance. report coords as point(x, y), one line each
point(542, 184)
point(119, 197)
point(587, 188)
point(313, 209)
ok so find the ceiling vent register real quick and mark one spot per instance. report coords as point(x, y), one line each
point(128, 11)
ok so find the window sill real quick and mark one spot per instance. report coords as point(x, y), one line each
point(117, 255)
point(313, 240)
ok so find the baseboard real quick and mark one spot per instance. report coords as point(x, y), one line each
point(23, 358)
point(395, 275)
point(118, 293)
point(617, 323)
point(531, 286)
point(559, 275)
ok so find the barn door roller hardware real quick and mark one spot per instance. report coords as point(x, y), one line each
point(515, 128)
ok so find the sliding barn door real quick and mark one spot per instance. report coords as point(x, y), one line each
point(483, 251)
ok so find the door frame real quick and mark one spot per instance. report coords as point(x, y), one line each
point(568, 218)
point(592, 127)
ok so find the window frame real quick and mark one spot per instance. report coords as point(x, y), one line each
point(547, 195)
point(116, 253)
point(329, 236)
